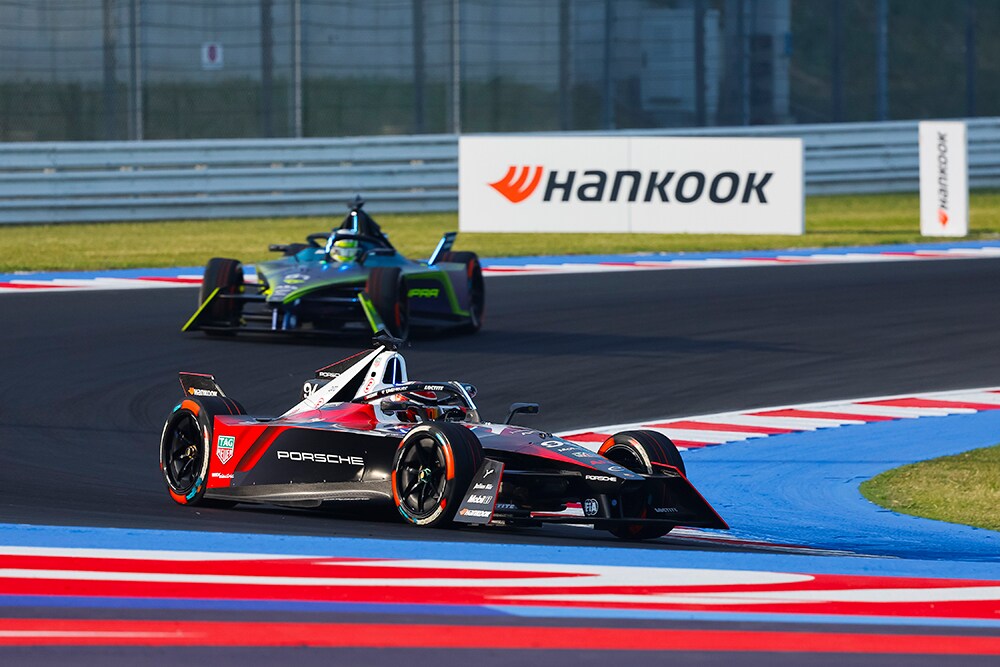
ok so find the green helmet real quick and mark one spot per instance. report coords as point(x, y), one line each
point(345, 250)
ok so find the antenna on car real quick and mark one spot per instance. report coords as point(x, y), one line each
point(387, 340)
point(356, 203)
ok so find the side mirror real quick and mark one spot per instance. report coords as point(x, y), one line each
point(521, 408)
point(386, 339)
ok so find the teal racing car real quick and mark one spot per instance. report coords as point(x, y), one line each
point(348, 278)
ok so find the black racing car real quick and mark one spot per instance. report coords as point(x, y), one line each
point(364, 432)
point(346, 277)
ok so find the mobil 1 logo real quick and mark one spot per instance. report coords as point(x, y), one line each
point(477, 507)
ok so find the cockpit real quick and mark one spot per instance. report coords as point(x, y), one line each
point(357, 237)
point(386, 388)
point(377, 378)
point(424, 401)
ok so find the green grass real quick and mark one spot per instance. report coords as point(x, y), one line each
point(959, 489)
point(830, 221)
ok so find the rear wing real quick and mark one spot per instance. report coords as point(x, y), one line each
point(444, 245)
point(200, 384)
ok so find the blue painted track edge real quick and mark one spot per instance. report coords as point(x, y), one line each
point(76, 537)
point(545, 259)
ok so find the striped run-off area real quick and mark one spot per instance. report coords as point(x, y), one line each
point(400, 602)
point(187, 277)
point(369, 595)
point(718, 429)
point(160, 633)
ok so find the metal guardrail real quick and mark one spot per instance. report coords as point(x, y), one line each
point(157, 180)
point(858, 158)
point(154, 180)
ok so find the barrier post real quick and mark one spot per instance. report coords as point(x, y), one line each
point(944, 179)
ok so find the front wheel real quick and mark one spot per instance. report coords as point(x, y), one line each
point(476, 287)
point(186, 445)
point(639, 451)
point(433, 468)
point(225, 275)
point(387, 290)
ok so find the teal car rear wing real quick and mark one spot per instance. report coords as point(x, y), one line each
point(444, 245)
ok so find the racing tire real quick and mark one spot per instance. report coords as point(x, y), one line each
point(638, 451)
point(226, 275)
point(186, 448)
point(431, 472)
point(477, 287)
point(387, 290)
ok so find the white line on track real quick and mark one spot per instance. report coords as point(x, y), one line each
point(28, 284)
point(800, 418)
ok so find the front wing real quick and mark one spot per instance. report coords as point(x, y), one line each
point(270, 317)
point(432, 298)
point(524, 496)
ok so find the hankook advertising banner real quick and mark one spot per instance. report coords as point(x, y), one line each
point(631, 184)
point(944, 179)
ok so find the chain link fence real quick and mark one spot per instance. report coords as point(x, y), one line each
point(177, 69)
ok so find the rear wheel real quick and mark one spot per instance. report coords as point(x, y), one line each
point(638, 451)
point(186, 445)
point(387, 291)
point(477, 288)
point(226, 275)
point(433, 468)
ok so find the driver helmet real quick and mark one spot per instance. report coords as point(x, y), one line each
point(345, 250)
point(433, 412)
point(450, 413)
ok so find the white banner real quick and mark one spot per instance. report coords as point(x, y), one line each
point(944, 179)
point(631, 184)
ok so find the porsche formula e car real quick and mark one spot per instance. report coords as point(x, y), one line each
point(347, 277)
point(364, 432)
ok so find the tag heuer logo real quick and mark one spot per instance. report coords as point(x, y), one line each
point(224, 447)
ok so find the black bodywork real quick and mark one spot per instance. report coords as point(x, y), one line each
point(342, 442)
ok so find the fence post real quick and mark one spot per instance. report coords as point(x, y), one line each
point(699, 63)
point(882, 60)
point(565, 103)
point(135, 72)
point(744, 37)
point(266, 67)
point(608, 111)
point(297, 69)
point(456, 67)
point(837, 63)
point(110, 67)
point(970, 58)
point(418, 67)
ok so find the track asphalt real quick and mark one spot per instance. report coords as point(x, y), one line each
point(88, 378)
